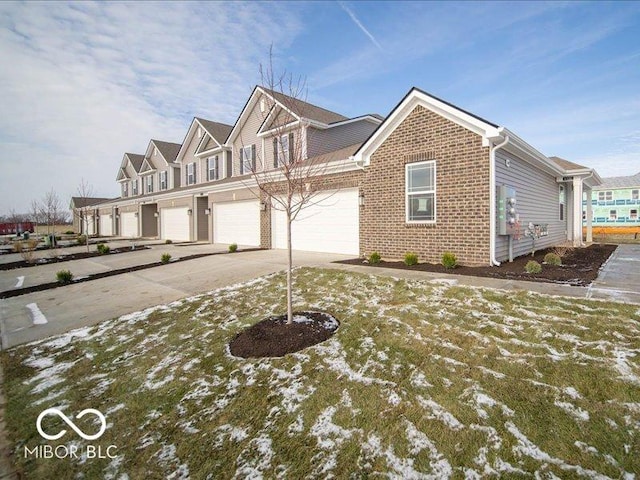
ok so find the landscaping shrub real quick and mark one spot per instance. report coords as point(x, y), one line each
point(103, 249)
point(165, 258)
point(233, 247)
point(374, 258)
point(69, 232)
point(18, 246)
point(81, 239)
point(167, 241)
point(532, 267)
point(449, 260)
point(410, 258)
point(64, 276)
point(552, 259)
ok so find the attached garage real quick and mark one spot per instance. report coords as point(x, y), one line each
point(329, 224)
point(174, 224)
point(129, 224)
point(106, 229)
point(237, 222)
point(90, 225)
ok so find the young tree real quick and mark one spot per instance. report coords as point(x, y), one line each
point(83, 207)
point(285, 179)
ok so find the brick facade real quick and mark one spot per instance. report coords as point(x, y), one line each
point(462, 193)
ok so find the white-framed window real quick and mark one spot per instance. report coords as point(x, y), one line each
point(282, 150)
point(191, 173)
point(562, 200)
point(213, 168)
point(163, 180)
point(125, 189)
point(605, 196)
point(635, 194)
point(134, 187)
point(633, 214)
point(613, 215)
point(149, 182)
point(247, 159)
point(420, 191)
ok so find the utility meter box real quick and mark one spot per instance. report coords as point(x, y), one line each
point(507, 210)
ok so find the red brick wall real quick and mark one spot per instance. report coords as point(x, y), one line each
point(462, 193)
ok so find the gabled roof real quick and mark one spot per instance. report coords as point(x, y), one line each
point(135, 159)
point(218, 131)
point(168, 150)
point(81, 202)
point(629, 181)
point(566, 164)
point(147, 166)
point(122, 175)
point(305, 109)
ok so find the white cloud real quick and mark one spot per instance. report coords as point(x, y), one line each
point(89, 81)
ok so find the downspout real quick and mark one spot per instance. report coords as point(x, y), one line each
point(492, 201)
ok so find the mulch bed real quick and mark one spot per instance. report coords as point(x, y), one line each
point(66, 258)
point(580, 266)
point(273, 337)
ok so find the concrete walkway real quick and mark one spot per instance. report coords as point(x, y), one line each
point(619, 279)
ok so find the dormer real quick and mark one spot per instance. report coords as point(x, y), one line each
point(128, 174)
point(159, 170)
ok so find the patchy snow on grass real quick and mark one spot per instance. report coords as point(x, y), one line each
point(439, 413)
point(250, 466)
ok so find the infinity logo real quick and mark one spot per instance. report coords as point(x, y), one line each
point(55, 411)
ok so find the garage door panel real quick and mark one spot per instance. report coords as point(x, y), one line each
point(237, 222)
point(129, 223)
point(105, 225)
point(329, 224)
point(174, 224)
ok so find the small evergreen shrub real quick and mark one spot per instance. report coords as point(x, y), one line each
point(533, 267)
point(81, 240)
point(449, 260)
point(552, 259)
point(64, 276)
point(233, 247)
point(165, 258)
point(374, 258)
point(103, 249)
point(410, 259)
point(168, 242)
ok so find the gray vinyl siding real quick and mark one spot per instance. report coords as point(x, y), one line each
point(190, 157)
point(537, 202)
point(248, 136)
point(176, 175)
point(323, 141)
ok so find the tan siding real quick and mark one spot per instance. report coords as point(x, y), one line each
point(248, 136)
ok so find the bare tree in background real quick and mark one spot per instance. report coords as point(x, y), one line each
point(85, 192)
point(285, 179)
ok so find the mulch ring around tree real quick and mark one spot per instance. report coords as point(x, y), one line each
point(580, 266)
point(273, 337)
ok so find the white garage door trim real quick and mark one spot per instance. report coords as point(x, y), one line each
point(174, 224)
point(330, 224)
point(106, 225)
point(91, 229)
point(129, 223)
point(237, 222)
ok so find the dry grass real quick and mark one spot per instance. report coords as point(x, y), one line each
point(422, 378)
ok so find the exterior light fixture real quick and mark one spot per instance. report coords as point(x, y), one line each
point(207, 211)
point(361, 199)
point(135, 214)
point(189, 212)
point(263, 206)
point(155, 214)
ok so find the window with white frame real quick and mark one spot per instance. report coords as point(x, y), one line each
point(605, 196)
point(134, 187)
point(635, 194)
point(247, 159)
point(163, 180)
point(282, 150)
point(562, 200)
point(191, 173)
point(212, 168)
point(125, 189)
point(633, 214)
point(420, 185)
point(613, 215)
point(149, 182)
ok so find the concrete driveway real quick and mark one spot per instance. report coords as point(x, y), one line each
point(619, 279)
point(89, 303)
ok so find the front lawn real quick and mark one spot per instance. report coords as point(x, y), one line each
point(421, 380)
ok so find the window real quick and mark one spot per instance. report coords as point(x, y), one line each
point(605, 196)
point(191, 173)
point(134, 187)
point(247, 159)
point(633, 214)
point(420, 182)
point(149, 182)
point(125, 189)
point(163, 180)
point(613, 215)
point(635, 194)
point(229, 165)
point(282, 150)
point(562, 201)
point(212, 168)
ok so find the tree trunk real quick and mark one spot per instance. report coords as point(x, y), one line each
point(289, 268)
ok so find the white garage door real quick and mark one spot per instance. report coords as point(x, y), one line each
point(105, 225)
point(237, 222)
point(328, 224)
point(129, 224)
point(91, 230)
point(174, 224)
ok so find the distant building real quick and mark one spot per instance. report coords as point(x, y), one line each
point(615, 203)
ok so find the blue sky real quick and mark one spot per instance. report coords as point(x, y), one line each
point(83, 82)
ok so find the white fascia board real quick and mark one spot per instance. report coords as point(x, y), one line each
point(529, 154)
point(212, 151)
point(364, 118)
point(418, 98)
point(147, 170)
point(187, 141)
point(279, 129)
point(245, 111)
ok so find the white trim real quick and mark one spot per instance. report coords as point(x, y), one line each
point(363, 118)
point(423, 192)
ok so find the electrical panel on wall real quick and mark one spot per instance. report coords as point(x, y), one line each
point(507, 210)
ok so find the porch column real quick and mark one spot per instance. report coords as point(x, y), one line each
point(589, 194)
point(577, 211)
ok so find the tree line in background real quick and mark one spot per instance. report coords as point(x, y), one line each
point(48, 211)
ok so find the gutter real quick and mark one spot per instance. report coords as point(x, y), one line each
point(492, 201)
point(359, 162)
